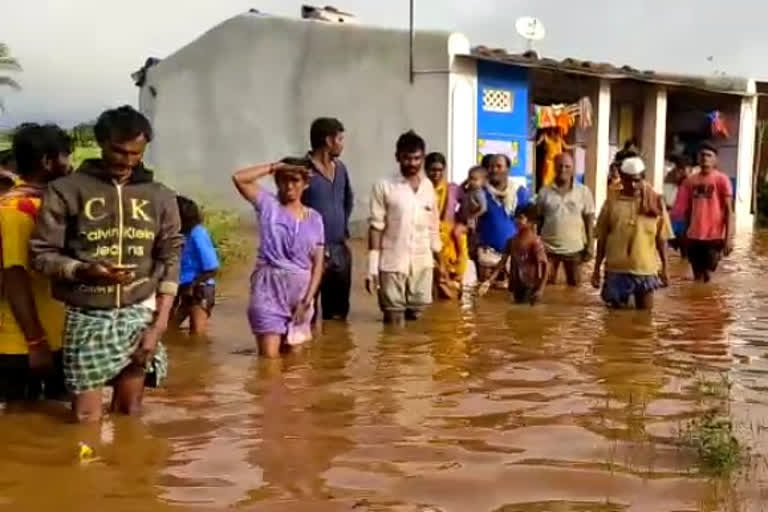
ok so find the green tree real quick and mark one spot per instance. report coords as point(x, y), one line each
point(7, 63)
point(83, 134)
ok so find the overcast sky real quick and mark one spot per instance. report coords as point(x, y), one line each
point(78, 54)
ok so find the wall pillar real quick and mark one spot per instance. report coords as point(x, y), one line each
point(462, 110)
point(598, 145)
point(745, 161)
point(654, 135)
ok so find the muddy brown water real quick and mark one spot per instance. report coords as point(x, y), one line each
point(499, 408)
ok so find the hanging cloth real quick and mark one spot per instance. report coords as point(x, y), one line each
point(717, 124)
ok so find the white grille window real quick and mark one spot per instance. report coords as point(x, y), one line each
point(498, 100)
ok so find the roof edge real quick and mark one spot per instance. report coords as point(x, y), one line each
point(725, 84)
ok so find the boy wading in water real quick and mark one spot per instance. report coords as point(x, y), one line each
point(527, 259)
point(199, 264)
point(108, 236)
point(404, 236)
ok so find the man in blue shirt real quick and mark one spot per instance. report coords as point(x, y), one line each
point(497, 225)
point(330, 194)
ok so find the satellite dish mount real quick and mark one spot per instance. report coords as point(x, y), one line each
point(531, 29)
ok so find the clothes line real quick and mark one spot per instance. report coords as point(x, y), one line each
point(563, 116)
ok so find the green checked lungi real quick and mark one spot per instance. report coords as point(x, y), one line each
point(98, 344)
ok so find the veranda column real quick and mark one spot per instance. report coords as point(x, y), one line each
point(598, 146)
point(746, 160)
point(654, 135)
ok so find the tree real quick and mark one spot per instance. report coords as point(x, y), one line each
point(7, 63)
point(83, 134)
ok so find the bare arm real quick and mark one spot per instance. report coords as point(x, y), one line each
point(246, 179)
point(318, 264)
point(164, 304)
point(661, 246)
point(542, 268)
point(543, 272)
point(502, 264)
point(730, 221)
point(22, 302)
point(589, 228)
point(601, 233)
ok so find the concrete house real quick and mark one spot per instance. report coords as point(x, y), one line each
point(248, 90)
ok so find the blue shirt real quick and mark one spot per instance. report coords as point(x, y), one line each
point(198, 255)
point(333, 200)
point(495, 227)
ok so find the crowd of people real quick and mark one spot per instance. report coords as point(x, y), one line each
point(97, 264)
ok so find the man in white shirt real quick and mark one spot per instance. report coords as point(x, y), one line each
point(404, 236)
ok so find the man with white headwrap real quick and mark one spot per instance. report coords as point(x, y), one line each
point(632, 233)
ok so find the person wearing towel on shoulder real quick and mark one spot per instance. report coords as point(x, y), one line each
point(497, 225)
point(632, 232)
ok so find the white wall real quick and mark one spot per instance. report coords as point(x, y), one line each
point(745, 162)
point(248, 90)
point(598, 145)
point(654, 135)
point(462, 108)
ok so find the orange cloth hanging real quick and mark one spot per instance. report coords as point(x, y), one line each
point(565, 122)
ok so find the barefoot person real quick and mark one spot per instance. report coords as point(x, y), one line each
point(289, 266)
point(567, 213)
point(199, 264)
point(705, 203)
point(527, 261)
point(632, 233)
point(31, 364)
point(404, 236)
point(109, 237)
point(330, 194)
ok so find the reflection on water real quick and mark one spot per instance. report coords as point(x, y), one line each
point(499, 408)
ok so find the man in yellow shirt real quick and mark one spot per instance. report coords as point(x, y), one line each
point(31, 321)
point(632, 233)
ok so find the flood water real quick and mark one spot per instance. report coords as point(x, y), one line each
point(499, 408)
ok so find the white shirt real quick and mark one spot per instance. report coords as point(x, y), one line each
point(409, 222)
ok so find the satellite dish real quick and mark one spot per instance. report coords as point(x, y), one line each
point(532, 29)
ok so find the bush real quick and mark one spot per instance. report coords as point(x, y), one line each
point(712, 434)
point(83, 153)
point(719, 451)
point(225, 228)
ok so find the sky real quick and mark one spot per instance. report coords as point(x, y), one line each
point(78, 55)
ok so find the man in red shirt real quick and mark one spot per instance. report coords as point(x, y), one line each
point(705, 201)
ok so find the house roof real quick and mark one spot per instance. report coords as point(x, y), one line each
point(716, 83)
